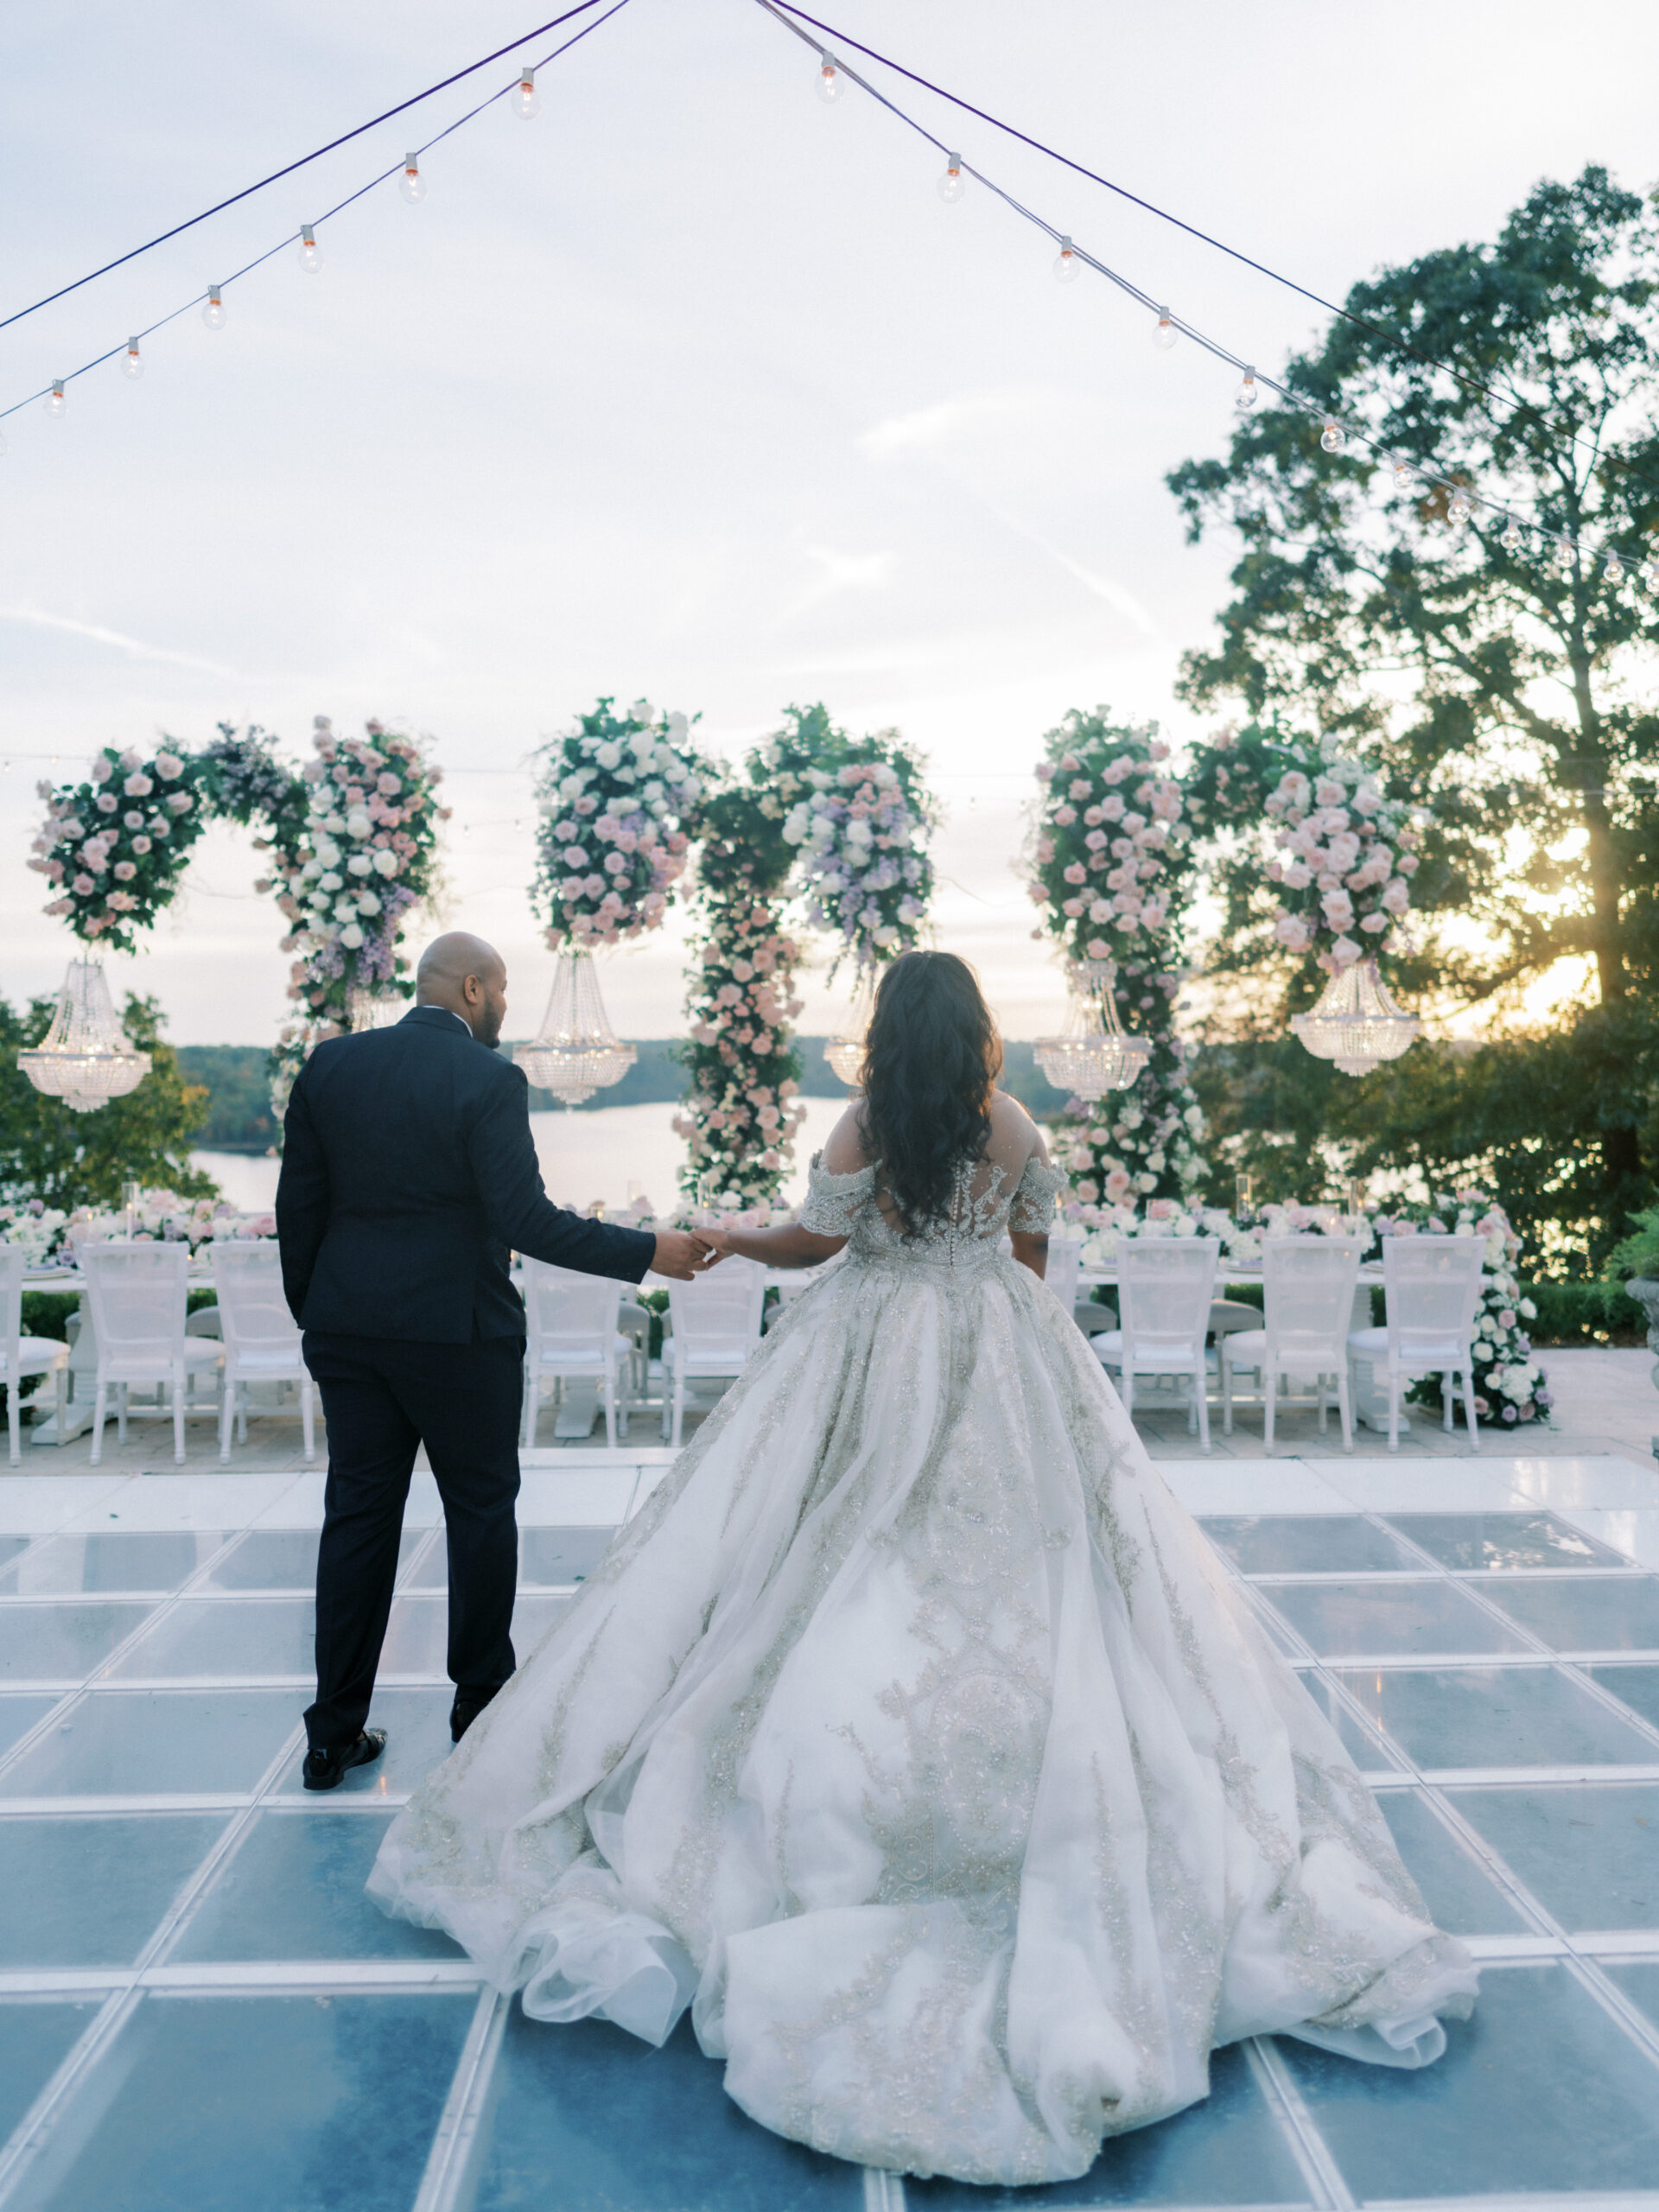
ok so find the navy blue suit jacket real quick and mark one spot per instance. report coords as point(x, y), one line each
point(409, 1175)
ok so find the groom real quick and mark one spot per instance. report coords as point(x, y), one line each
point(408, 1173)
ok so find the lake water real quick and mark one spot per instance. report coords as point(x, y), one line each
point(584, 1156)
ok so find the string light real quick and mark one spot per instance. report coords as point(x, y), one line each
point(310, 251)
point(950, 184)
point(412, 184)
point(1065, 264)
point(830, 84)
point(213, 313)
point(1244, 397)
point(56, 405)
point(526, 101)
point(1615, 570)
point(131, 365)
point(1331, 437)
point(1458, 508)
point(1511, 540)
point(1164, 332)
point(1404, 476)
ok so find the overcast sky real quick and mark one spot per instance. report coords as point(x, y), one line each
point(692, 387)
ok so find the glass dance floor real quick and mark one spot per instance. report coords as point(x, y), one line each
point(198, 2010)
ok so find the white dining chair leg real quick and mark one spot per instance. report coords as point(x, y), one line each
point(1201, 1400)
point(1469, 1407)
point(527, 1419)
point(679, 1407)
point(13, 1418)
point(307, 1419)
point(120, 1412)
point(1446, 1378)
point(1226, 1366)
point(1346, 1409)
point(226, 1415)
point(62, 1379)
point(1269, 1393)
point(1126, 1384)
point(100, 1407)
point(178, 1417)
point(1325, 1404)
point(610, 1380)
point(1394, 1409)
point(1193, 1393)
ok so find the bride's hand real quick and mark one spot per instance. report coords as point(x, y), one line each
point(718, 1241)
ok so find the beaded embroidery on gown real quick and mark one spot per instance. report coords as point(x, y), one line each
point(911, 1733)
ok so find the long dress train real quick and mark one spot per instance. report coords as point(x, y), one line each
point(912, 1734)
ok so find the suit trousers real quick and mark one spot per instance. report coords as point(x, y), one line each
point(381, 1399)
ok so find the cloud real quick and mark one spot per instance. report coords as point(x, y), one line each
point(95, 632)
point(838, 573)
point(928, 429)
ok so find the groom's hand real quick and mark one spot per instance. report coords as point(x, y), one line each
point(679, 1254)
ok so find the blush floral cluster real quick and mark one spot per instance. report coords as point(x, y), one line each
point(617, 796)
point(740, 1113)
point(1110, 864)
point(114, 847)
point(859, 817)
point(1343, 859)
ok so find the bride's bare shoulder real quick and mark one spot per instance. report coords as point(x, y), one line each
point(847, 1150)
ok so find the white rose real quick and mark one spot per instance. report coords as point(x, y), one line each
point(327, 853)
point(609, 755)
point(385, 863)
point(351, 937)
point(360, 864)
point(330, 882)
point(358, 824)
point(367, 903)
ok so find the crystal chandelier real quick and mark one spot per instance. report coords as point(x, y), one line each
point(1355, 1023)
point(575, 1052)
point(367, 1009)
point(845, 1050)
point(1092, 1055)
point(83, 1058)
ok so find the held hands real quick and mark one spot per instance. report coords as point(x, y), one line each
point(684, 1254)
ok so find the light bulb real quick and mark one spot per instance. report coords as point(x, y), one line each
point(1164, 332)
point(1244, 397)
point(412, 184)
point(830, 84)
point(213, 313)
point(526, 101)
point(1566, 556)
point(131, 365)
point(950, 184)
point(310, 251)
point(1615, 570)
point(1331, 437)
point(1065, 264)
point(1404, 475)
point(1511, 540)
point(1457, 507)
point(55, 402)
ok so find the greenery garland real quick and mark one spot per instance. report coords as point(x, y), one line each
point(742, 1107)
point(1109, 863)
point(617, 796)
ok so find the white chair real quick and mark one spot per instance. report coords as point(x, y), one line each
point(137, 1296)
point(1064, 1266)
point(570, 1331)
point(1308, 1293)
point(1164, 1288)
point(20, 1354)
point(261, 1340)
point(1432, 1285)
point(716, 1321)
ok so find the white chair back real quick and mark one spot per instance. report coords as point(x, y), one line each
point(571, 1316)
point(1308, 1286)
point(1432, 1285)
point(253, 1314)
point(717, 1316)
point(1165, 1284)
point(1064, 1265)
point(13, 1260)
point(138, 1296)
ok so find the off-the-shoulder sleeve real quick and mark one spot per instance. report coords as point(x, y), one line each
point(835, 1201)
point(1032, 1210)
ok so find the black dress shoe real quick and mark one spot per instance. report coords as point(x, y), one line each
point(466, 1709)
point(328, 1769)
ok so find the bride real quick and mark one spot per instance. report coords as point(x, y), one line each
point(911, 1733)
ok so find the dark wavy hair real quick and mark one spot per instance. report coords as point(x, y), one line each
point(931, 1063)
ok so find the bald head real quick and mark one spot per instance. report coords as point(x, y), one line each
point(461, 972)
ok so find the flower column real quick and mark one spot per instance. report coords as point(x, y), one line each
point(1110, 865)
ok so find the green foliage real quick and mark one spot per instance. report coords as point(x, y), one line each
point(237, 1078)
point(68, 1159)
point(1584, 1313)
point(1638, 1255)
